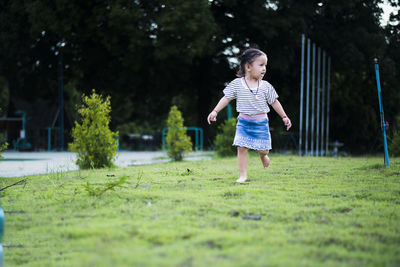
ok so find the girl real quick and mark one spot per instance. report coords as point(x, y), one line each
point(252, 96)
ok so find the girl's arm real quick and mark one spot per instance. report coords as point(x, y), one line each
point(279, 109)
point(221, 104)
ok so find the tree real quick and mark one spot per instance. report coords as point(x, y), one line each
point(178, 143)
point(94, 142)
point(4, 97)
point(181, 51)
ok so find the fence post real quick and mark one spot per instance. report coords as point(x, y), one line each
point(301, 94)
point(307, 96)
point(313, 101)
point(323, 103)
point(328, 106)
point(318, 99)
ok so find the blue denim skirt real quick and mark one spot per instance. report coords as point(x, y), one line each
point(252, 131)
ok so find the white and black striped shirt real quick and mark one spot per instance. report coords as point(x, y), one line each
point(245, 100)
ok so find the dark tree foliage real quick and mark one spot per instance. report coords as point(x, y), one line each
point(149, 55)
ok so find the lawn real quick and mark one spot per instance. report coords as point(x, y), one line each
point(298, 212)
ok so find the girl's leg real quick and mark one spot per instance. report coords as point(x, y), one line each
point(242, 160)
point(264, 157)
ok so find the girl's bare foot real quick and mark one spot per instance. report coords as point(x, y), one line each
point(241, 180)
point(265, 161)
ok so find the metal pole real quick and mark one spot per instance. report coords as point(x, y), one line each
point(201, 139)
point(323, 103)
point(308, 95)
point(383, 126)
point(313, 101)
point(301, 93)
point(61, 100)
point(328, 103)
point(318, 98)
point(229, 112)
point(163, 136)
point(49, 139)
point(197, 139)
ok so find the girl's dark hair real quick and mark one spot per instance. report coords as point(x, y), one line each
point(248, 57)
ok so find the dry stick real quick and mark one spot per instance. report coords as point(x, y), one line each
point(17, 183)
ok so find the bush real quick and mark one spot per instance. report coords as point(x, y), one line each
point(2, 148)
point(224, 140)
point(177, 140)
point(93, 140)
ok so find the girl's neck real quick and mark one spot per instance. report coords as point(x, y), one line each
point(251, 79)
point(251, 82)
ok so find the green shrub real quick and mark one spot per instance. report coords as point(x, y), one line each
point(3, 147)
point(224, 140)
point(177, 140)
point(93, 140)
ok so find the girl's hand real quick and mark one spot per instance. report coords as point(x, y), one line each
point(212, 116)
point(287, 123)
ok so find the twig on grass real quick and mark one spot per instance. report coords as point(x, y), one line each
point(140, 175)
point(23, 181)
point(111, 185)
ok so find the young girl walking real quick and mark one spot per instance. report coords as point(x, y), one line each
point(253, 95)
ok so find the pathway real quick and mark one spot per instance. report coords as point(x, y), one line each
point(16, 164)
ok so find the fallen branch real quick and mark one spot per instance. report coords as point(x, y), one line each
point(23, 181)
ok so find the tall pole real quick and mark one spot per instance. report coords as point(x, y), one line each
point(323, 103)
point(313, 101)
point(318, 97)
point(307, 96)
point(61, 100)
point(383, 124)
point(301, 93)
point(328, 103)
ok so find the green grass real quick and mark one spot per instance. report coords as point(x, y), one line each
point(314, 212)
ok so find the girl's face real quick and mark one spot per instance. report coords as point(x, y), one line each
point(257, 69)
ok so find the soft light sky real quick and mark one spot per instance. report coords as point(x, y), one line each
point(387, 9)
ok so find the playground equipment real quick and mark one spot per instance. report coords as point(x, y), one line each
point(198, 137)
point(321, 137)
point(383, 124)
point(49, 139)
point(21, 142)
point(229, 111)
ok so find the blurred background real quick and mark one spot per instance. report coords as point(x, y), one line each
point(148, 55)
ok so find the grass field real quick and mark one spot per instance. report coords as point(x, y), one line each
point(298, 212)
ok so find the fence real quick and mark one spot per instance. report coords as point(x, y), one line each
point(316, 131)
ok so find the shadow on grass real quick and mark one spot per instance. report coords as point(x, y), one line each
point(375, 166)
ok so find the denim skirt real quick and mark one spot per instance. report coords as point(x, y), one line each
point(252, 131)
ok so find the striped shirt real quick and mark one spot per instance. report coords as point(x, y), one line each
point(246, 101)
